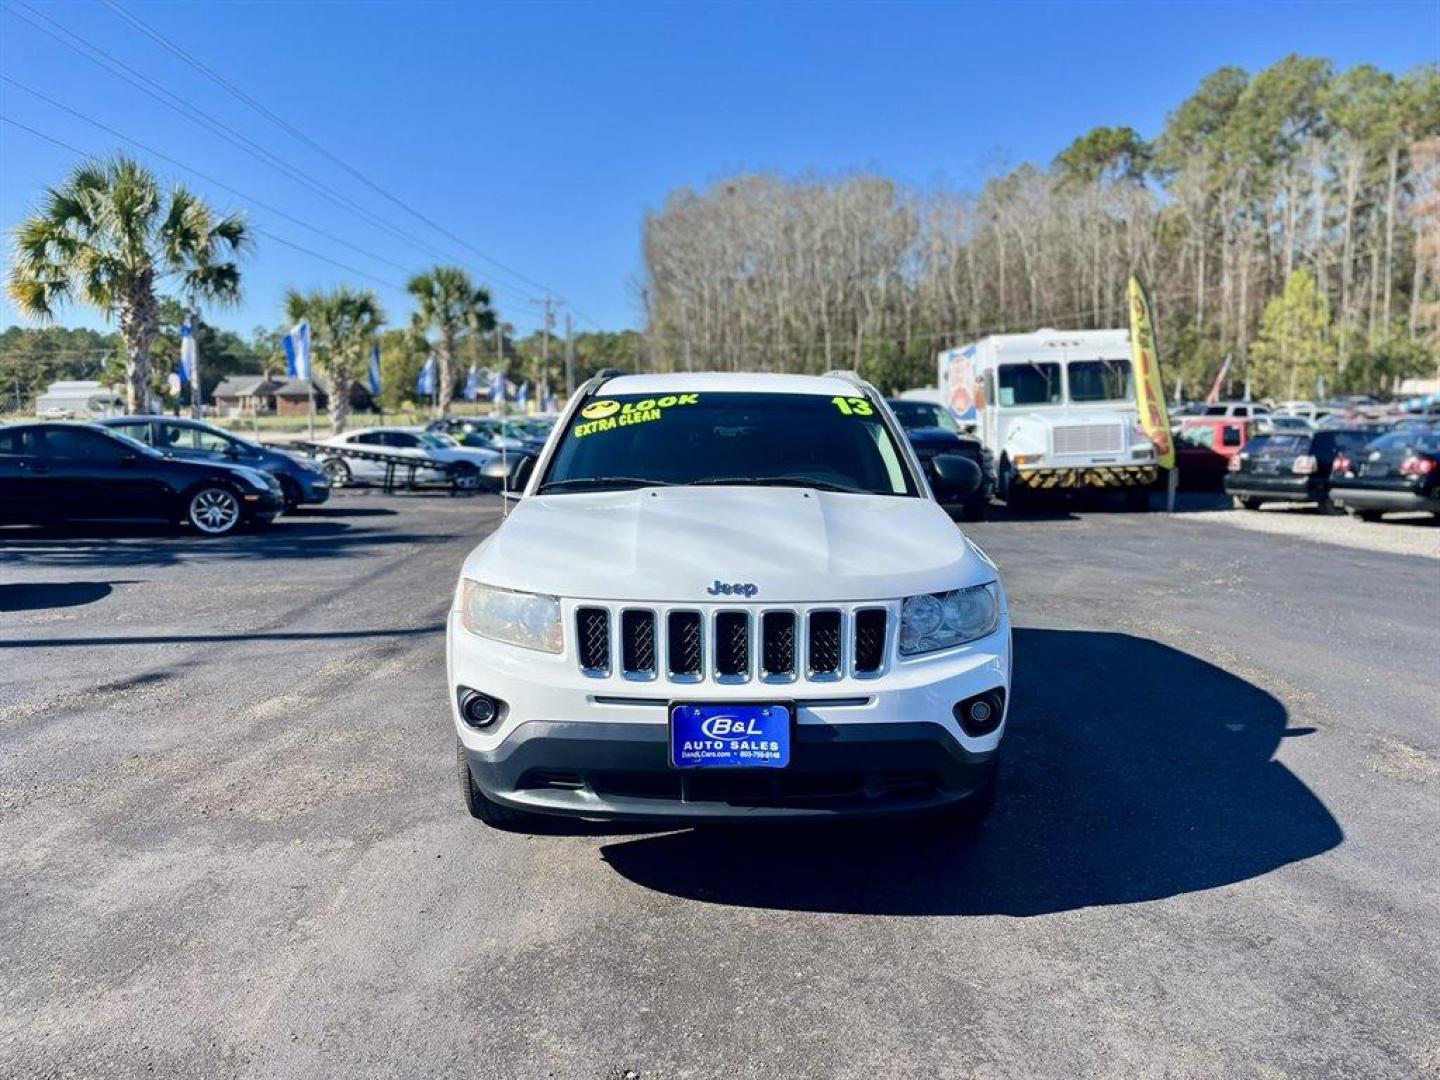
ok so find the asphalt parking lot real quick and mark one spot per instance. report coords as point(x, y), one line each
point(231, 842)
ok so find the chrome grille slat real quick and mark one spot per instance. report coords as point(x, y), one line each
point(1088, 438)
point(728, 644)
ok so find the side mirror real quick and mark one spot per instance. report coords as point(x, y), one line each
point(510, 479)
point(955, 477)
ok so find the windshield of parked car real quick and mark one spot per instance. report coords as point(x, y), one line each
point(923, 414)
point(1101, 380)
point(1279, 445)
point(1029, 384)
point(762, 439)
point(436, 441)
point(1422, 442)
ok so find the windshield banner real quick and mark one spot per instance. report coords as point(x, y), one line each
point(1149, 393)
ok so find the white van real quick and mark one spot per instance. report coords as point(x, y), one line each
point(1055, 408)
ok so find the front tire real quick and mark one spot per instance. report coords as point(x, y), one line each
point(338, 472)
point(291, 492)
point(484, 809)
point(214, 510)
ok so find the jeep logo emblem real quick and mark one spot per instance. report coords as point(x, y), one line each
point(740, 588)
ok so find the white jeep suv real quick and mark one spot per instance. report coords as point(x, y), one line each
point(724, 597)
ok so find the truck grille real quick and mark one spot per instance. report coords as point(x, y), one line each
point(1088, 439)
point(731, 645)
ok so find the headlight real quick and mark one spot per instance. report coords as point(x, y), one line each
point(942, 620)
point(529, 620)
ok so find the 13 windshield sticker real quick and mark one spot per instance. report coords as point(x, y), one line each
point(608, 414)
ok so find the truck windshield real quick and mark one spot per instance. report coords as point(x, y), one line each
point(1029, 384)
point(756, 439)
point(1101, 380)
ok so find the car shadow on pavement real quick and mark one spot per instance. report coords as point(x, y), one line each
point(1132, 772)
point(114, 545)
point(42, 595)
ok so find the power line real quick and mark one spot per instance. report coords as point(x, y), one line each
point(295, 132)
point(268, 235)
point(107, 61)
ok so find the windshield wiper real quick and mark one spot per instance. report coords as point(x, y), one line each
point(601, 481)
point(776, 481)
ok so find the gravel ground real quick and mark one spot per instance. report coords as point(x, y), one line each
point(231, 843)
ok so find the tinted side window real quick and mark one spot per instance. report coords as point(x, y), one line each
point(140, 432)
point(77, 445)
point(370, 438)
point(20, 441)
point(402, 438)
point(1230, 436)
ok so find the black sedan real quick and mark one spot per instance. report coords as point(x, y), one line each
point(1399, 471)
point(933, 431)
point(1293, 467)
point(301, 480)
point(84, 472)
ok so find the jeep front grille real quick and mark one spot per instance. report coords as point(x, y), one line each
point(592, 635)
point(732, 645)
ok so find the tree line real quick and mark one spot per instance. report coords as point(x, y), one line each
point(111, 237)
point(1287, 218)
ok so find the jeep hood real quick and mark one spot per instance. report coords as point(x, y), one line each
point(672, 544)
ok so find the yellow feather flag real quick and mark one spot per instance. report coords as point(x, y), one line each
point(1149, 393)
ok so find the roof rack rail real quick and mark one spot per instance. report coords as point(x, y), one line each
point(847, 375)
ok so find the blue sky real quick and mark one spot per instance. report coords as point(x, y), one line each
point(540, 134)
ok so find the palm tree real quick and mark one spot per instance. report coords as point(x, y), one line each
point(448, 303)
point(343, 323)
point(107, 237)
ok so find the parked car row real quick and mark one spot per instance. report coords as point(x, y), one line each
point(61, 471)
point(1361, 471)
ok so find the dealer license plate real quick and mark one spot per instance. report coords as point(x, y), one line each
point(730, 736)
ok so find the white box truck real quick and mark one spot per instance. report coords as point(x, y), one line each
point(1055, 408)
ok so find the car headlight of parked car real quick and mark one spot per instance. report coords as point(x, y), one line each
point(530, 620)
point(942, 620)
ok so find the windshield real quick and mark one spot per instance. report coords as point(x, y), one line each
point(923, 414)
point(1424, 442)
point(837, 444)
point(436, 440)
point(1101, 380)
point(132, 442)
point(1029, 384)
point(1280, 445)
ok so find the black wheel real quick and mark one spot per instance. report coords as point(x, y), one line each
point(466, 477)
point(969, 812)
point(1246, 504)
point(491, 813)
point(975, 510)
point(1137, 499)
point(214, 510)
point(291, 492)
point(337, 471)
point(1369, 515)
point(1016, 495)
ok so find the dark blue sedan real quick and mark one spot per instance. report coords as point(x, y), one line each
point(301, 480)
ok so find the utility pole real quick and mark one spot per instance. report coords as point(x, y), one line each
point(549, 303)
point(195, 406)
point(569, 356)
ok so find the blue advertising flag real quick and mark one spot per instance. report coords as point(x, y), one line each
point(497, 386)
point(187, 352)
point(472, 384)
point(375, 371)
point(297, 350)
point(522, 396)
point(425, 384)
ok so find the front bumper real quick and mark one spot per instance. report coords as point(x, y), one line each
point(1046, 478)
point(1386, 499)
point(570, 744)
point(262, 506)
point(313, 489)
point(620, 771)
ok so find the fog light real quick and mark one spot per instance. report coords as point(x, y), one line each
point(480, 710)
point(981, 714)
